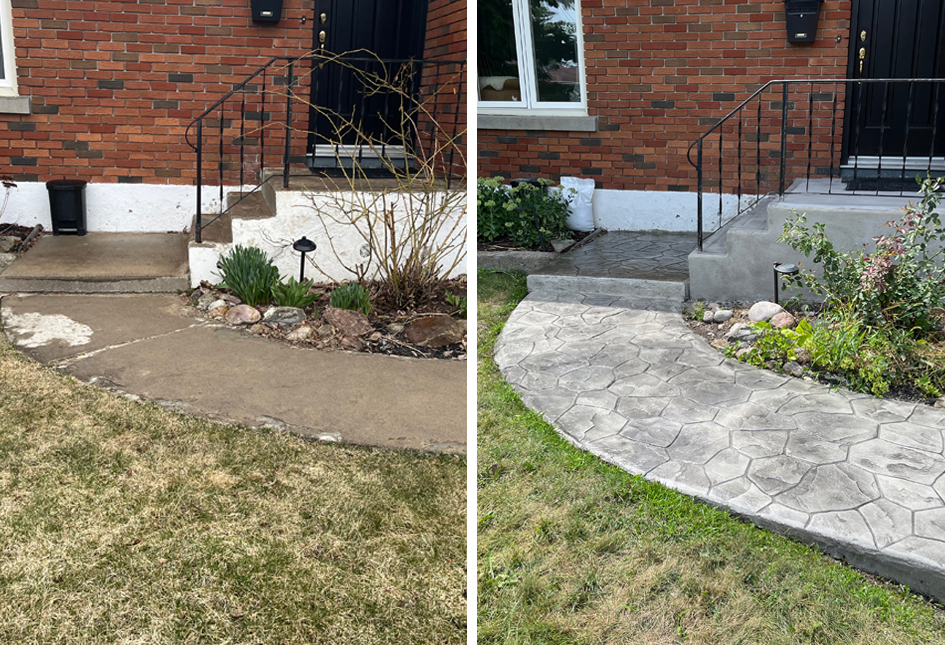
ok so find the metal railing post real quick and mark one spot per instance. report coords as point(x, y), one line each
point(288, 126)
point(199, 222)
point(699, 193)
point(783, 138)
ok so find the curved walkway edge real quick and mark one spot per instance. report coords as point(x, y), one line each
point(624, 378)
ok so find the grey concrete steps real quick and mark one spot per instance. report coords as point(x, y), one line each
point(101, 263)
point(738, 266)
point(672, 290)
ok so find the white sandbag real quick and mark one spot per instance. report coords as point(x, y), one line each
point(581, 217)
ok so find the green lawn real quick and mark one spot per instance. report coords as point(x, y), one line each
point(126, 523)
point(572, 550)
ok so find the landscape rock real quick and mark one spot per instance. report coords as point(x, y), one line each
point(217, 312)
point(743, 351)
point(7, 242)
point(259, 328)
point(205, 300)
point(230, 298)
point(764, 310)
point(939, 402)
point(6, 259)
point(243, 315)
point(324, 330)
point(217, 304)
point(435, 331)
point(352, 343)
point(792, 368)
point(283, 316)
point(782, 320)
point(395, 328)
point(708, 316)
point(351, 324)
point(722, 315)
point(802, 356)
point(298, 335)
point(560, 246)
point(737, 331)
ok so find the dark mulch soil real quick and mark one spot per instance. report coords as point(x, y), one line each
point(22, 232)
point(505, 244)
point(387, 318)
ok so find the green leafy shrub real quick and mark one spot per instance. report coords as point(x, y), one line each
point(250, 273)
point(504, 211)
point(457, 301)
point(898, 284)
point(293, 294)
point(351, 296)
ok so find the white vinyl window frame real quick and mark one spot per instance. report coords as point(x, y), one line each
point(8, 52)
point(528, 83)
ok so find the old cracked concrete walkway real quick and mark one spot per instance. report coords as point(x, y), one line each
point(140, 345)
point(625, 379)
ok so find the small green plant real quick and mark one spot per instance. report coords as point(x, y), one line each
point(457, 301)
point(293, 294)
point(697, 311)
point(504, 211)
point(351, 296)
point(250, 273)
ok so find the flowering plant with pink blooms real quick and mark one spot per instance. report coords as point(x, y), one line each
point(900, 283)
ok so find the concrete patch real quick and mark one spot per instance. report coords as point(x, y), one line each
point(36, 330)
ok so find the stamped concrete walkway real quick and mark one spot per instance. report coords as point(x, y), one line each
point(627, 380)
point(140, 345)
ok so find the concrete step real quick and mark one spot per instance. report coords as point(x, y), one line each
point(101, 263)
point(739, 266)
point(636, 287)
point(755, 219)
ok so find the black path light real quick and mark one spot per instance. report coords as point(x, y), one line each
point(779, 270)
point(303, 246)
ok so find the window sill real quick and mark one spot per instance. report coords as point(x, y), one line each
point(15, 104)
point(562, 123)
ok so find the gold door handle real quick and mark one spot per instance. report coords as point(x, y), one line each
point(323, 18)
point(862, 56)
point(321, 40)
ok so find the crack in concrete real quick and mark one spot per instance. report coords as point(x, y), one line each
point(67, 362)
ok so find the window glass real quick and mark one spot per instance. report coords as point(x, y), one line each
point(2, 68)
point(498, 69)
point(554, 37)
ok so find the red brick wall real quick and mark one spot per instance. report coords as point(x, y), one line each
point(659, 74)
point(114, 84)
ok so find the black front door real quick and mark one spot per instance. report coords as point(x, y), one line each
point(374, 34)
point(896, 39)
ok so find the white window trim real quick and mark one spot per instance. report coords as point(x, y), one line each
point(529, 104)
point(8, 83)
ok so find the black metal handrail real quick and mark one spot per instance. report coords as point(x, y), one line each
point(819, 132)
point(277, 119)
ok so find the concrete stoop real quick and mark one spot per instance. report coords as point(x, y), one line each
point(101, 263)
point(736, 262)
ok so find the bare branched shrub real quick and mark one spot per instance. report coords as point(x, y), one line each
point(411, 216)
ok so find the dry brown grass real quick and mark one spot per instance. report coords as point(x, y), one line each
point(126, 523)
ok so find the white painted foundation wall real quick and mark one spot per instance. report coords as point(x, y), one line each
point(116, 208)
point(644, 210)
point(297, 215)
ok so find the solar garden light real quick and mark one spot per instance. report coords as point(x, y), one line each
point(303, 246)
point(779, 270)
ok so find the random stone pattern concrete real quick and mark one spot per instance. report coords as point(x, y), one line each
point(628, 254)
point(626, 379)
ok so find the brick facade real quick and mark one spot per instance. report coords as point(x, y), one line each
point(114, 84)
point(659, 74)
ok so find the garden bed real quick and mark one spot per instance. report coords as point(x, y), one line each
point(433, 327)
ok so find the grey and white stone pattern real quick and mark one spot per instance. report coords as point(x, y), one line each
point(627, 380)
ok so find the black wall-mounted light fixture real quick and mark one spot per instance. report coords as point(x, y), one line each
point(267, 10)
point(303, 246)
point(801, 17)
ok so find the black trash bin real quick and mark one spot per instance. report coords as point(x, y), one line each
point(67, 205)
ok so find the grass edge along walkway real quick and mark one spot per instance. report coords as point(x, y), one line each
point(574, 550)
